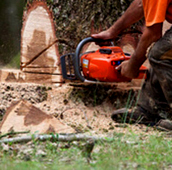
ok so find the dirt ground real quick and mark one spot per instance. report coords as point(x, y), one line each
point(85, 108)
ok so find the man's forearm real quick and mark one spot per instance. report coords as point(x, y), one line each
point(150, 35)
point(133, 14)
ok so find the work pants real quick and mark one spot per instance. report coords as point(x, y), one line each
point(156, 93)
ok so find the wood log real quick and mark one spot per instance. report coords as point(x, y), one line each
point(23, 116)
point(39, 51)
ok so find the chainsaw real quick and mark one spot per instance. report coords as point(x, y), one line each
point(96, 66)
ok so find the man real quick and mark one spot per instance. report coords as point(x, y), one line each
point(155, 102)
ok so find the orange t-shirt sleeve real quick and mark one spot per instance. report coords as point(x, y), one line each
point(154, 11)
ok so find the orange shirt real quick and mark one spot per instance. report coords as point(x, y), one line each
point(156, 11)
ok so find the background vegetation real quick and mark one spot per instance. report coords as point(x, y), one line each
point(10, 26)
point(74, 21)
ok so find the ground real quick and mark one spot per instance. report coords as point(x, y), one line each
point(85, 108)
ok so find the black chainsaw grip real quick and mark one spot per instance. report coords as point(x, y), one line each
point(76, 57)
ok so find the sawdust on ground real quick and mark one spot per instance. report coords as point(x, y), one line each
point(82, 108)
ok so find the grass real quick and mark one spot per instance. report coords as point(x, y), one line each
point(127, 151)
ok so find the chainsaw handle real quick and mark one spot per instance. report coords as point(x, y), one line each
point(76, 57)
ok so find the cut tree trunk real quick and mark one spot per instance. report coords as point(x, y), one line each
point(39, 50)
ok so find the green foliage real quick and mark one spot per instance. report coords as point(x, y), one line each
point(10, 27)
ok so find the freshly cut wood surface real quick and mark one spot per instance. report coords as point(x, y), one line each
point(38, 40)
point(23, 116)
point(9, 75)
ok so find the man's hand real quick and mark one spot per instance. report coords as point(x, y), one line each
point(104, 35)
point(128, 70)
point(133, 14)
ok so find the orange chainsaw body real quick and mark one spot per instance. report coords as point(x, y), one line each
point(101, 65)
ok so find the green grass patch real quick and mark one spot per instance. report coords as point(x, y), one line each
point(126, 151)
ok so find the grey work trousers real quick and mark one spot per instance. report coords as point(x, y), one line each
point(156, 93)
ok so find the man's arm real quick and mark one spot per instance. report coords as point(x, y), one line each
point(131, 67)
point(133, 14)
point(151, 34)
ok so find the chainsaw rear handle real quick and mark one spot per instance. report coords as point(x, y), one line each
point(76, 57)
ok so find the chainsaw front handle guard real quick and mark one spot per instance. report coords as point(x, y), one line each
point(76, 57)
